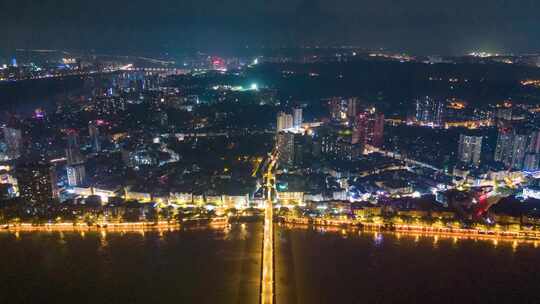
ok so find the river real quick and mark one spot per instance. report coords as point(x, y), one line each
point(186, 266)
point(350, 266)
point(223, 266)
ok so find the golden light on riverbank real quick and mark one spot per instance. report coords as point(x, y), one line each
point(417, 235)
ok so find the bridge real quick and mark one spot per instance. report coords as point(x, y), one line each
point(267, 275)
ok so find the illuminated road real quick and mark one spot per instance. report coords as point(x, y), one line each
point(267, 277)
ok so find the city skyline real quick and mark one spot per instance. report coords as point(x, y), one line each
point(270, 151)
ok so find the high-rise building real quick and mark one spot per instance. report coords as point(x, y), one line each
point(531, 162)
point(76, 174)
point(368, 129)
point(470, 149)
point(13, 139)
point(534, 142)
point(429, 111)
point(35, 182)
point(297, 117)
point(75, 160)
point(376, 132)
point(336, 143)
point(505, 141)
point(93, 131)
point(514, 144)
point(73, 151)
point(352, 108)
point(519, 149)
point(284, 121)
point(285, 147)
point(343, 110)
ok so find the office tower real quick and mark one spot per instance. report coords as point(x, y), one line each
point(14, 62)
point(93, 131)
point(76, 174)
point(470, 149)
point(13, 139)
point(284, 121)
point(429, 111)
point(35, 182)
point(75, 161)
point(297, 117)
point(285, 147)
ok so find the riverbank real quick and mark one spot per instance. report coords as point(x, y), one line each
point(472, 233)
point(131, 226)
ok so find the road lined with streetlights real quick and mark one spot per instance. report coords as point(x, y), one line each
point(267, 277)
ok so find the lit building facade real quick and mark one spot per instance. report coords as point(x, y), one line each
point(36, 182)
point(284, 121)
point(368, 129)
point(470, 149)
point(297, 117)
point(518, 148)
point(429, 111)
point(93, 132)
point(343, 110)
point(285, 147)
point(75, 168)
point(13, 139)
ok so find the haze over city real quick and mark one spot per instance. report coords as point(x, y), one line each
point(420, 27)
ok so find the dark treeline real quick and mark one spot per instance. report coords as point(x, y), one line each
point(395, 83)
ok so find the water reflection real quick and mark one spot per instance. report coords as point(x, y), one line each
point(434, 240)
point(61, 238)
point(378, 239)
point(103, 239)
point(105, 266)
point(420, 268)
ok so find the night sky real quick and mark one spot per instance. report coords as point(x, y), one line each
point(418, 26)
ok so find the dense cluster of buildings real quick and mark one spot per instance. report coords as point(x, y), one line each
point(158, 139)
point(350, 131)
point(352, 158)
